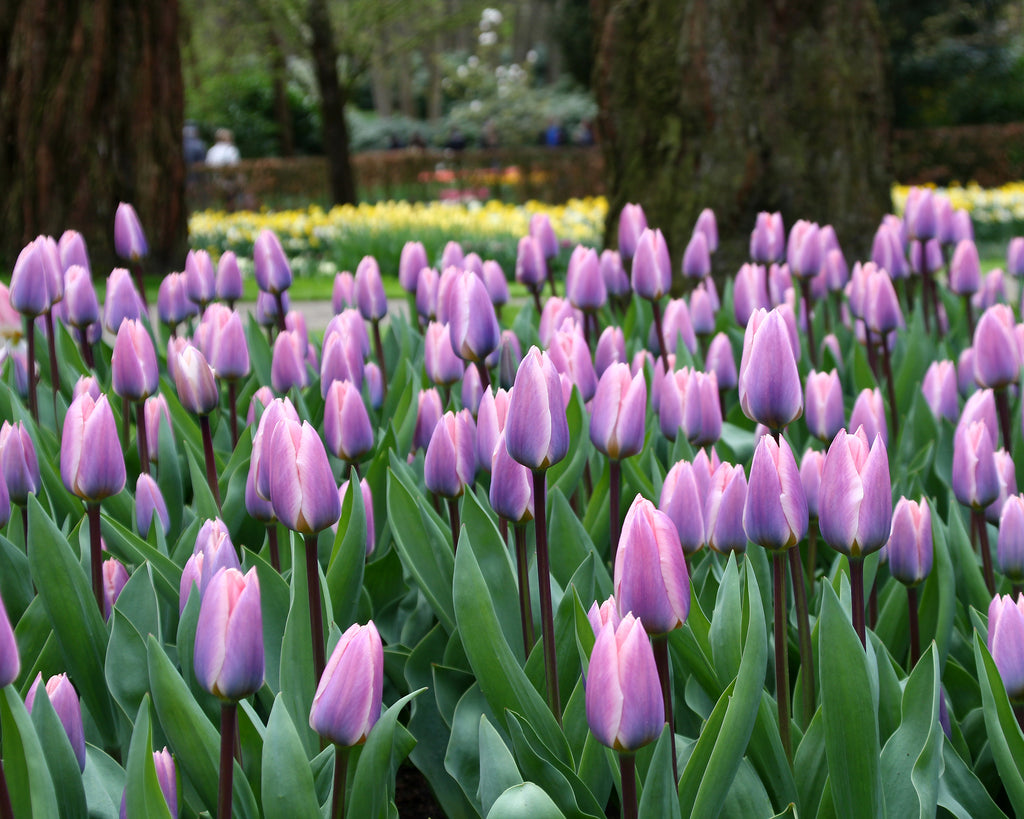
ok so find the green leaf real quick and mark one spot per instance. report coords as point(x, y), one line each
point(659, 798)
point(28, 778)
point(810, 764)
point(498, 770)
point(383, 752)
point(135, 551)
point(849, 715)
point(912, 758)
point(1004, 736)
point(298, 676)
point(103, 780)
point(971, 589)
point(344, 574)
point(572, 545)
point(287, 778)
point(125, 664)
point(144, 797)
point(60, 757)
point(461, 759)
point(726, 628)
point(66, 593)
point(960, 790)
point(526, 801)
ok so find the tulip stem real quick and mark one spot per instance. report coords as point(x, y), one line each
point(211, 464)
point(969, 312)
point(6, 811)
point(656, 306)
point(547, 620)
point(812, 550)
point(614, 499)
point(796, 571)
point(140, 433)
point(537, 303)
point(1003, 409)
point(485, 376)
point(233, 412)
point(915, 638)
point(627, 767)
point(660, 644)
point(781, 650)
point(890, 387)
point(228, 721)
point(281, 326)
point(523, 570)
point(30, 335)
point(873, 604)
point(316, 621)
point(980, 527)
point(340, 776)
point(54, 373)
point(805, 292)
point(275, 554)
point(453, 520)
point(126, 421)
point(378, 344)
point(92, 510)
point(857, 592)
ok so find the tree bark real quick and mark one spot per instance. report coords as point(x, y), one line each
point(91, 114)
point(332, 105)
point(744, 106)
point(282, 108)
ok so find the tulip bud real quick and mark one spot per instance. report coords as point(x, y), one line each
point(227, 349)
point(749, 293)
point(910, 542)
point(682, 501)
point(302, 488)
point(824, 402)
point(450, 462)
point(172, 303)
point(229, 636)
point(570, 354)
point(632, 223)
point(411, 262)
point(975, 476)
point(129, 240)
point(343, 292)
point(584, 285)
point(676, 327)
point(625, 710)
point(64, 699)
point(122, 300)
point(91, 460)
point(364, 488)
point(428, 413)
point(965, 269)
point(1005, 638)
point(495, 282)
point(288, 365)
point(115, 575)
point(775, 511)
point(980, 406)
point(531, 268)
point(702, 311)
point(442, 365)
point(149, 501)
point(697, 257)
point(940, 390)
point(618, 413)
point(80, 297)
point(769, 383)
point(155, 412)
point(452, 255)
point(18, 461)
point(651, 579)
point(1015, 256)
point(1010, 546)
point(10, 663)
point(606, 612)
point(369, 290)
point(270, 265)
point(195, 382)
point(536, 430)
point(133, 368)
point(347, 702)
point(611, 347)
point(473, 325)
point(511, 492)
point(810, 476)
point(347, 427)
point(200, 278)
point(541, 230)
point(652, 268)
point(869, 412)
point(997, 357)
point(721, 362)
point(616, 281)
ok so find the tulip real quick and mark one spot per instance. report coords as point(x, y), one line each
point(270, 265)
point(229, 636)
point(495, 283)
point(652, 269)
point(302, 489)
point(570, 355)
point(544, 233)
point(91, 462)
point(167, 776)
point(115, 575)
point(10, 663)
point(490, 421)
point(228, 281)
point(611, 348)
point(410, 263)
point(940, 390)
point(619, 407)
point(677, 328)
point(64, 699)
point(452, 255)
point(18, 462)
point(697, 257)
point(450, 462)
point(980, 406)
point(443, 367)
point(632, 223)
point(428, 413)
point(195, 382)
point(369, 290)
point(606, 612)
point(810, 476)
point(364, 488)
point(341, 361)
point(80, 297)
point(749, 292)
point(720, 361)
point(824, 402)
point(511, 491)
point(768, 238)
point(531, 267)
point(965, 275)
point(537, 432)
point(156, 413)
point(769, 383)
point(997, 360)
point(616, 281)
point(122, 300)
point(975, 476)
point(869, 412)
point(72, 250)
point(172, 302)
point(149, 502)
point(288, 365)
point(347, 702)
point(343, 292)
point(1005, 638)
point(129, 240)
point(200, 277)
point(702, 312)
point(682, 501)
point(909, 547)
point(1007, 473)
point(584, 285)
point(854, 498)
point(723, 509)
point(473, 325)
point(133, 367)
point(347, 428)
point(1010, 545)
point(775, 511)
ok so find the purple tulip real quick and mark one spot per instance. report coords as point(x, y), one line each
point(749, 293)
point(443, 367)
point(570, 355)
point(676, 327)
point(64, 699)
point(452, 255)
point(697, 257)
point(270, 265)
point(1015, 256)
point(531, 267)
point(73, 251)
point(652, 268)
point(511, 491)
point(775, 512)
point(167, 776)
point(536, 430)
point(997, 358)
point(347, 428)
point(769, 383)
point(803, 250)
point(616, 281)
point(91, 460)
point(625, 710)
point(428, 413)
point(606, 612)
point(810, 476)
point(472, 390)
point(682, 501)
point(288, 365)
point(133, 367)
point(347, 702)
point(369, 290)
point(122, 300)
point(228, 281)
point(195, 382)
point(1005, 638)
point(129, 240)
point(155, 411)
point(992, 292)
point(882, 312)
point(611, 348)
point(940, 390)
point(702, 311)
point(721, 362)
point(965, 269)
point(229, 636)
point(1007, 472)
point(768, 238)
point(411, 262)
point(343, 292)
point(228, 349)
point(618, 413)
point(980, 406)
point(302, 488)
point(824, 403)
point(495, 282)
point(910, 542)
point(869, 412)
point(632, 223)
point(80, 297)
point(172, 303)
point(975, 475)
point(490, 421)
point(855, 495)
point(919, 214)
point(556, 310)
point(651, 579)
point(18, 461)
point(213, 544)
point(584, 285)
point(10, 663)
point(450, 462)
point(542, 231)
point(341, 360)
point(150, 504)
point(364, 488)
point(200, 278)
point(115, 575)
point(707, 225)
point(473, 326)
point(1010, 546)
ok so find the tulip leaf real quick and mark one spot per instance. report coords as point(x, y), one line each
point(287, 778)
point(125, 665)
point(386, 746)
point(425, 548)
point(572, 544)
point(275, 598)
point(28, 777)
point(77, 623)
point(498, 770)
point(193, 740)
point(260, 356)
point(971, 589)
point(912, 757)
point(60, 757)
point(525, 801)
point(144, 796)
point(461, 758)
point(565, 475)
point(768, 756)
point(203, 502)
point(961, 792)
point(636, 480)
point(1004, 735)
point(344, 573)
point(169, 476)
point(15, 581)
point(705, 781)
point(810, 764)
point(659, 798)
point(103, 780)
point(298, 676)
point(726, 628)
point(938, 595)
point(37, 644)
point(135, 551)
point(501, 678)
point(849, 715)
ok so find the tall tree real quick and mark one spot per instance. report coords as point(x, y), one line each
point(743, 106)
point(91, 114)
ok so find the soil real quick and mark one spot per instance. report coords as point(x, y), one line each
point(413, 796)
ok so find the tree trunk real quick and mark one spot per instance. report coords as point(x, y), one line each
point(91, 114)
point(282, 109)
point(743, 106)
point(332, 105)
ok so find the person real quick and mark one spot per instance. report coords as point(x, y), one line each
point(195, 148)
point(223, 151)
point(554, 134)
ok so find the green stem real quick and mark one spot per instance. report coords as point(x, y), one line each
point(803, 623)
point(340, 775)
point(660, 644)
point(228, 720)
point(547, 619)
point(781, 652)
point(316, 621)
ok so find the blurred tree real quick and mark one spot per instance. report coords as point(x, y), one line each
point(90, 115)
point(743, 106)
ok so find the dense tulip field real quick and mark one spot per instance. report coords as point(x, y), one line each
point(643, 545)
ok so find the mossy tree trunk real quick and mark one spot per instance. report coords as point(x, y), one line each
point(91, 114)
point(743, 106)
